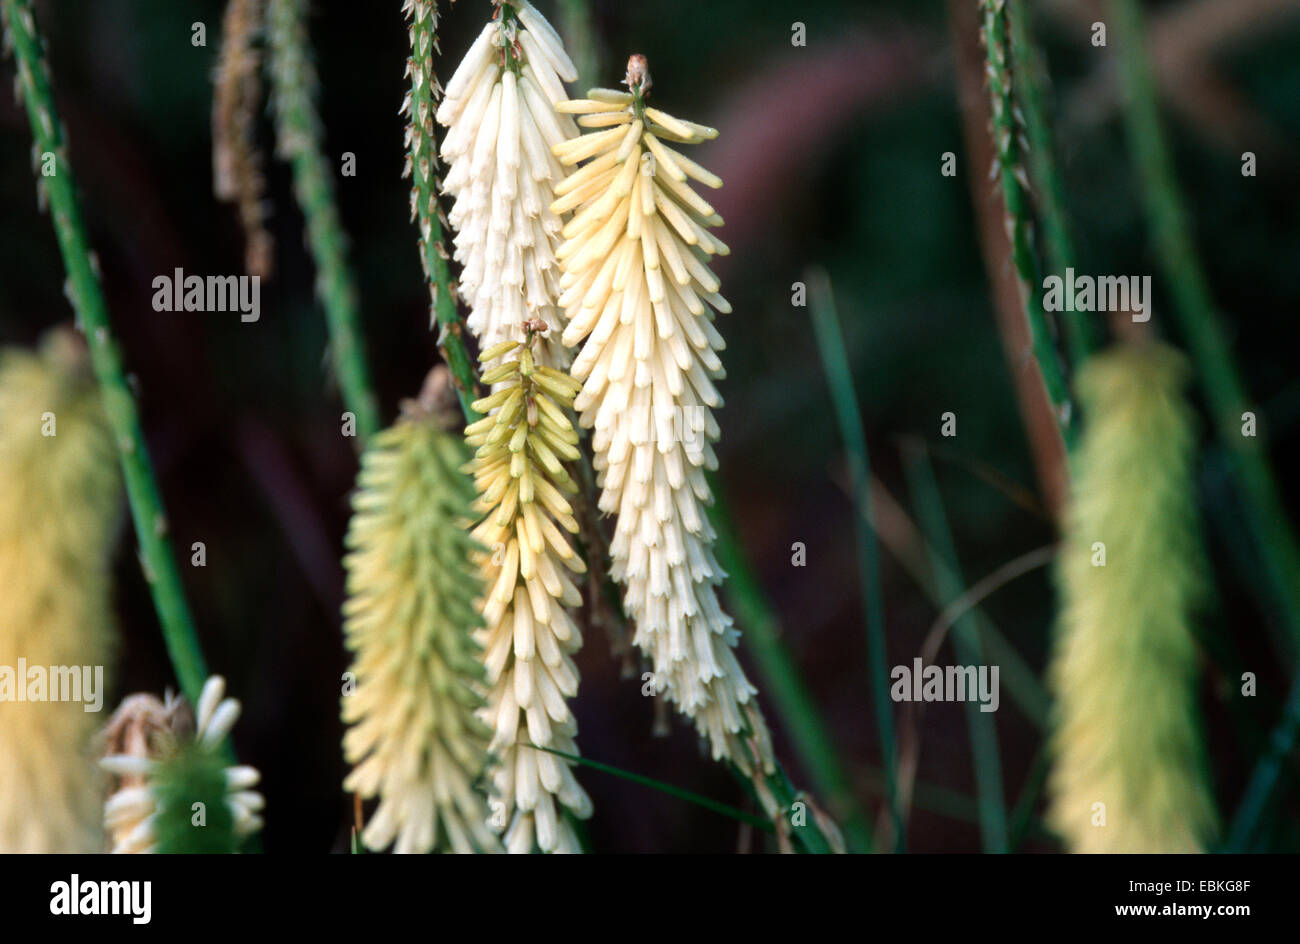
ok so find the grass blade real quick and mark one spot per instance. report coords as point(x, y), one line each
point(966, 644)
point(830, 344)
point(782, 681)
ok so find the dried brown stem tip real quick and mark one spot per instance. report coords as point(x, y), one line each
point(236, 159)
point(638, 74)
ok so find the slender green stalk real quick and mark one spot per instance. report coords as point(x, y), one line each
point(830, 344)
point(810, 834)
point(1031, 76)
point(422, 165)
point(1008, 144)
point(299, 140)
point(1203, 332)
point(966, 643)
point(1265, 775)
point(782, 681)
point(750, 819)
point(1023, 822)
point(950, 803)
point(1021, 680)
point(87, 298)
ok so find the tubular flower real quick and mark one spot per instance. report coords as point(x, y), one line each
point(640, 298)
point(529, 637)
point(165, 764)
point(59, 511)
point(1128, 774)
point(414, 740)
point(499, 111)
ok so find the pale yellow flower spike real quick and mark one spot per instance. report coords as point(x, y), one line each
point(499, 110)
point(528, 637)
point(640, 298)
point(60, 505)
point(1129, 769)
point(413, 738)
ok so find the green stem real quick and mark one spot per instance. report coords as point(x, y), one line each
point(680, 793)
point(299, 140)
point(782, 681)
point(87, 297)
point(808, 833)
point(1209, 344)
point(830, 344)
point(425, 185)
point(1021, 680)
point(966, 644)
point(1266, 773)
point(1031, 76)
point(1023, 823)
point(1008, 145)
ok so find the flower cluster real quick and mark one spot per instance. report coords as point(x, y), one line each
point(414, 740)
point(1128, 774)
point(59, 511)
point(640, 298)
point(174, 792)
point(502, 125)
point(528, 637)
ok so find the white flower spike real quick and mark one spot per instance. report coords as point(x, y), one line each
point(640, 299)
point(502, 125)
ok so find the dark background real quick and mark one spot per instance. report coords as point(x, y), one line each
point(831, 156)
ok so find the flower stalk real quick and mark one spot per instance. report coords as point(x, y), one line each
point(1009, 145)
point(419, 106)
point(1207, 341)
point(87, 297)
point(300, 141)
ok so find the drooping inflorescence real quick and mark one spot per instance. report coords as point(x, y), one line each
point(174, 792)
point(60, 506)
point(528, 637)
point(414, 740)
point(640, 299)
point(1128, 774)
point(499, 109)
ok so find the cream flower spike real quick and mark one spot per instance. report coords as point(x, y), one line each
point(528, 637)
point(59, 513)
point(413, 738)
point(502, 124)
point(144, 736)
point(637, 293)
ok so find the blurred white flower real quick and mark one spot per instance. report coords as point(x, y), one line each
point(144, 734)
